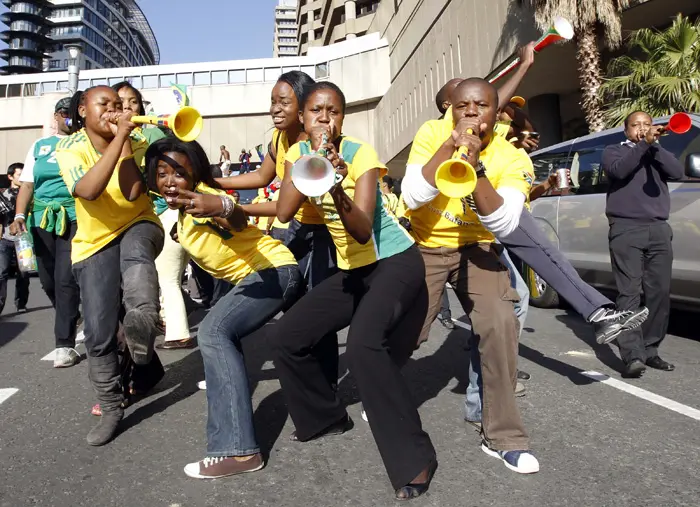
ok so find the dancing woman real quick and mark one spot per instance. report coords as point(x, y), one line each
point(214, 231)
point(379, 292)
point(306, 236)
point(114, 249)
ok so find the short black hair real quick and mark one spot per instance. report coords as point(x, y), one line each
point(627, 118)
point(78, 98)
point(442, 96)
point(324, 85)
point(127, 84)
point(192, 150)
point(299, 81)
point(480, 81)
point(388, 180)
point(13, 167)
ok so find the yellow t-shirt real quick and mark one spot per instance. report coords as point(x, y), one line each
point(104, 219)
point(452, 223)
point(391, 202)
point(229, 255)
point(388, 237)
point(307, 214)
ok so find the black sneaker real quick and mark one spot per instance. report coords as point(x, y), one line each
point(610, 322)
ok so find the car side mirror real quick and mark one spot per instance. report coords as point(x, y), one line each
point(692, 165)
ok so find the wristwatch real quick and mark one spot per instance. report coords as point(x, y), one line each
point(480, 169)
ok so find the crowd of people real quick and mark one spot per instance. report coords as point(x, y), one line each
point(117, 211)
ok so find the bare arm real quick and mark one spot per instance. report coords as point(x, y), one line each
point(358, 215)
point(130, 177)
point(261, 209)
point(290, 198)
point(507, 91)
point(94, 182)
point(250, 181)
point(26, 192)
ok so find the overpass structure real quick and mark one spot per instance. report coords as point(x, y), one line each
point(233, 96)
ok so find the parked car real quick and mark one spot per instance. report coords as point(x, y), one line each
point(577, 224)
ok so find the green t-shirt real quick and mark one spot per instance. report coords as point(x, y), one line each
point(51, 196)
point(152, 134)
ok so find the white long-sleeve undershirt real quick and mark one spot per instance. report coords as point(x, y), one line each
point(416, 192)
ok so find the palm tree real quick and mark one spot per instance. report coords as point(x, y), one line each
point(587, 17)
point(664, 79)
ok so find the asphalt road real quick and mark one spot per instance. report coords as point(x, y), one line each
point(598, 443)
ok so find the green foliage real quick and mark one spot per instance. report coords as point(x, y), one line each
point(664, 79)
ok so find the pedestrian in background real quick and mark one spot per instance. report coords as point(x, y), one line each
point(8, 256)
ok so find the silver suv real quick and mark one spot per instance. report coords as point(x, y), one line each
point(577, 224)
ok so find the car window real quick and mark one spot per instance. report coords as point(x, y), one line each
point(681, 145)
point(546, 164)
point(587, 175)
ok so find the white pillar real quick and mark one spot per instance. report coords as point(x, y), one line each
point(350, 16)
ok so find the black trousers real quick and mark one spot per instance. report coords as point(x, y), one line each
point(642, 259)
point(385, 305)
point(57, 280)
point(8, 264)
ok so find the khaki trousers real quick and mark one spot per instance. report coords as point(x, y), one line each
point(482, 285)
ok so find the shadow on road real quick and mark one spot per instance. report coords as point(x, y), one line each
point(586, 334)
point(10, 331)
point(560, 367)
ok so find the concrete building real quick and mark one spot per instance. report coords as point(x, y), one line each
point(324, 22)
point(113, 33)
point(233, 96)
point(390, 76)
point(285, 39)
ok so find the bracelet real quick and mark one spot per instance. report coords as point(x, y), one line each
point(228, 205)
point(20, 215)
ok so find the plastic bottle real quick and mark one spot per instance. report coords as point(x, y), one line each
point(26, 259)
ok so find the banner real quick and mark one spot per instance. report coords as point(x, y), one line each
point(180, 92)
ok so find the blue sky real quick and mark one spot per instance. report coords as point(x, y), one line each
point(211, 30)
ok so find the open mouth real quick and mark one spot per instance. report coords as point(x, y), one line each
point(278, 120)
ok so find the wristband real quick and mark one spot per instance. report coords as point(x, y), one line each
point(228, 206)
point(20, 215)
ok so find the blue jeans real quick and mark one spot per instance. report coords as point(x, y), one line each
point(246, 308)
point(472, 401)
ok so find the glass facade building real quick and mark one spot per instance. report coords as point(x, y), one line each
point(113, 33)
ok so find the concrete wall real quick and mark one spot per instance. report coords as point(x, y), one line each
point(432, 41)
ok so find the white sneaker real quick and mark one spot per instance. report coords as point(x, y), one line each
point(523, 462)
point(80, 335)
point(65, 357)
point(202, 384)
point(364, 416)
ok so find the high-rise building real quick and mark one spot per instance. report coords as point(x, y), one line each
point(325, 22)
point(285, 41)
point(113, 33)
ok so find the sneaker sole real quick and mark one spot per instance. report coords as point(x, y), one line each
point(632, 323)
point(198, 476)
point(66, 365)
point(494, 454)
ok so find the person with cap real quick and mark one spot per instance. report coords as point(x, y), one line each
point(46, 207)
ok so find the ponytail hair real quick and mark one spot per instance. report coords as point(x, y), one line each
point(77, 122)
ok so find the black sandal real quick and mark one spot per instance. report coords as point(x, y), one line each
point(414, 490)
point(337, 428)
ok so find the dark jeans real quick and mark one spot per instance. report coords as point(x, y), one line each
point(531, 246)
point(385, 305)
point(8, 264)
point(57, 280)
point(314, 250)
point(246, 308)
point(445, 311)
point(210, 289)
point(127, 264)
point(642, 259)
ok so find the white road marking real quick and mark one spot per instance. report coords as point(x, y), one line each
point(644, 394)
point(50, 356)
point(580, 353)
point(6, 393)
point(461, 324)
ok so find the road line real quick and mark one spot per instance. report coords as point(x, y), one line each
point(644, 394)
point(50, 356)
point(461, 324)
point(6, 393)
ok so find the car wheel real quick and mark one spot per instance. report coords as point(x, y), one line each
point(541, 294)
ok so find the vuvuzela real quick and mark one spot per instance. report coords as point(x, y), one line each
point(561, 29)
point(186, 123)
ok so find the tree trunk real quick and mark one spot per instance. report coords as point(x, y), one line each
point(590, 76)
